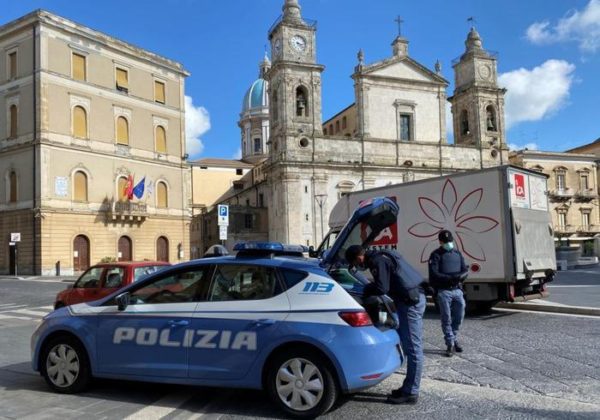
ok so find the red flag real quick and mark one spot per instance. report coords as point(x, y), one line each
point(128, 192)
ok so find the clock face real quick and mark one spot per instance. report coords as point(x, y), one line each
point(298, 43)
point(277, 46)
point(485, 72)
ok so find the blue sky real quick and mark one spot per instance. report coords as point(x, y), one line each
point(549, 53)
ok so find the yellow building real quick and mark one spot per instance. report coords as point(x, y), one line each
point(81, 113)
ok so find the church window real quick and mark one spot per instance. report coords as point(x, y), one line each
point(301, 102)
point(491, 118)
point(257, 146)
point(405, 127)
point(464, 122)
point(337, 126)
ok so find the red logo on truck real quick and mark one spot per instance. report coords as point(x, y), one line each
point(520, 185)
point(387, 238)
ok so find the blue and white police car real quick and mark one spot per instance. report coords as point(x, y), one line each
point(265, 318)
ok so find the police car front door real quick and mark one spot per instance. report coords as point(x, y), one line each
point(244, 310)
point(151, 337)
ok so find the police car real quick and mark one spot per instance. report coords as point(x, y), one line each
point(263, 319)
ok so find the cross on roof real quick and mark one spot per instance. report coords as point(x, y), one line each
point(399, 21)
point(471, 20)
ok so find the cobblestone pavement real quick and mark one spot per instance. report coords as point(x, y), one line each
point(516, 365)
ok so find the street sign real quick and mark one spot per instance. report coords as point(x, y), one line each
point(15, 237)
point(223, 211)
point(222, 233)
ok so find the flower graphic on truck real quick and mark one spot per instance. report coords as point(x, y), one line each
point(458, 215)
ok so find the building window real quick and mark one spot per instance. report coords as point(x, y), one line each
point(331, 129)
point(261, 200)
point(159, 92)
point(248, 221)
point(14, 119)
point(562, 219)
point(275, 107)
point(121, 187)
point(405, 127)
point(80, 186)
point(257, 145)
point(560, 181)
point(122, 77)
point(301, 102)
point(306, 189)
point(491, 118)
point(12, 65)
point(325, 131)
point(122, 131)
point(239, 171)
point(78, 70)
point(306, 216)
point(584, 182)
point(80, 124)
point(464, 122)
point(337, 126)
point(585, 219)
point(162, 199)
point(161, 139)
point(344, 123)
point(12, 196)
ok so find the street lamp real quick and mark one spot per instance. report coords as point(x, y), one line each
point(321, 200)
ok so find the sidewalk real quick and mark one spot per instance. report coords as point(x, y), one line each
point(54, 279)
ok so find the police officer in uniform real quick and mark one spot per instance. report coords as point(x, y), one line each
point(394, 277)
point(447, 271)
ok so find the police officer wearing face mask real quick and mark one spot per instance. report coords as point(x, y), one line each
point(447, 271)
point(393, 276)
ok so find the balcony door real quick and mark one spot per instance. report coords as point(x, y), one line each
point(125, 249)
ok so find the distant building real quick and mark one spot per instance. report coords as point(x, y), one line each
point(573, 192)
point(82, 113)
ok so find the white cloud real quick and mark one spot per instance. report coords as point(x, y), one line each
point(529, 146)
point(237, 154)
point(582, 27)
point(537, 93)
point(197, 122)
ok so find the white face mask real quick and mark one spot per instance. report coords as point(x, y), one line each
point(448, 246)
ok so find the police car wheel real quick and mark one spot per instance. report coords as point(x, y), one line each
point(65, 365)
point(302, 384)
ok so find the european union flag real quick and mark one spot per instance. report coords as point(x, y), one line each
point(138, 190)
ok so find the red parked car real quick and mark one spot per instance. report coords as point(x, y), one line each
point(102, 279)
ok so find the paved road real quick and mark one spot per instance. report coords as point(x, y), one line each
point(516, 365)
point(576, 288)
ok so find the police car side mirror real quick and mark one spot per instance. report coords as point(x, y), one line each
point(311, 252)
point(122, 301)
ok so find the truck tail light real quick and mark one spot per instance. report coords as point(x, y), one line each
point(356, 319)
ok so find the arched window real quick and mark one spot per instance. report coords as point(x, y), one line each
point(162, 249)
point(275, 107)
point(161, 139)
point(13, 121)
point(257, 146)
point(162, 199)
point(80, 186)
point(125, 249)
point(80, 125)
point(344, 123)
point(122, 131)
point(301, 102)
point(464, 122)
point(337, 126)
point(490, 112)
point(121, 184)
point(12, 181)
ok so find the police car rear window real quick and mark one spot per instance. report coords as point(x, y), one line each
point(292, 277)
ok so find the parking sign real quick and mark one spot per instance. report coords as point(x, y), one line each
point(223, 211)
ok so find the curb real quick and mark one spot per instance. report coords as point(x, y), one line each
point(563, 309)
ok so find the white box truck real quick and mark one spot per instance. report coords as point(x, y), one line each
point(499, 218)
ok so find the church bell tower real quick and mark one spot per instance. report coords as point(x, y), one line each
point(294, 84)
point(478, 102)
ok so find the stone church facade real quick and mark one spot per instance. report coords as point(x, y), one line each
point(398, 129)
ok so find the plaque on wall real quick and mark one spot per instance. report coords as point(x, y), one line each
point(61, 186)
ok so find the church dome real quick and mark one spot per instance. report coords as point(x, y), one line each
point(256, 96)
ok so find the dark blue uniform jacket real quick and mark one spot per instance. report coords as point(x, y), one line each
point(445, 268)
point(392, 275)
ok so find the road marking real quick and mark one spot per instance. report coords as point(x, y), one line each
point(15, 317)
point(161, 408)
point(545, 313)
point(575, 285)
point(12, 309)
point(6, 305)
point(30, 312)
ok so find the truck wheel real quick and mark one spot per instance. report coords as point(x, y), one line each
point(65, 365)
point(301, 383)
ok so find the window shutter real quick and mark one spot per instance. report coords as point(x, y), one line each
point(161, 140)
point(80, 186)
point(161, 195)
point(79, 67)
point(121, 189)
point(13, 121)
point(159, 92)
point(13, 187)
point(122, 131)
point(79, 122)
point(122, 79)
point(12, 58)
